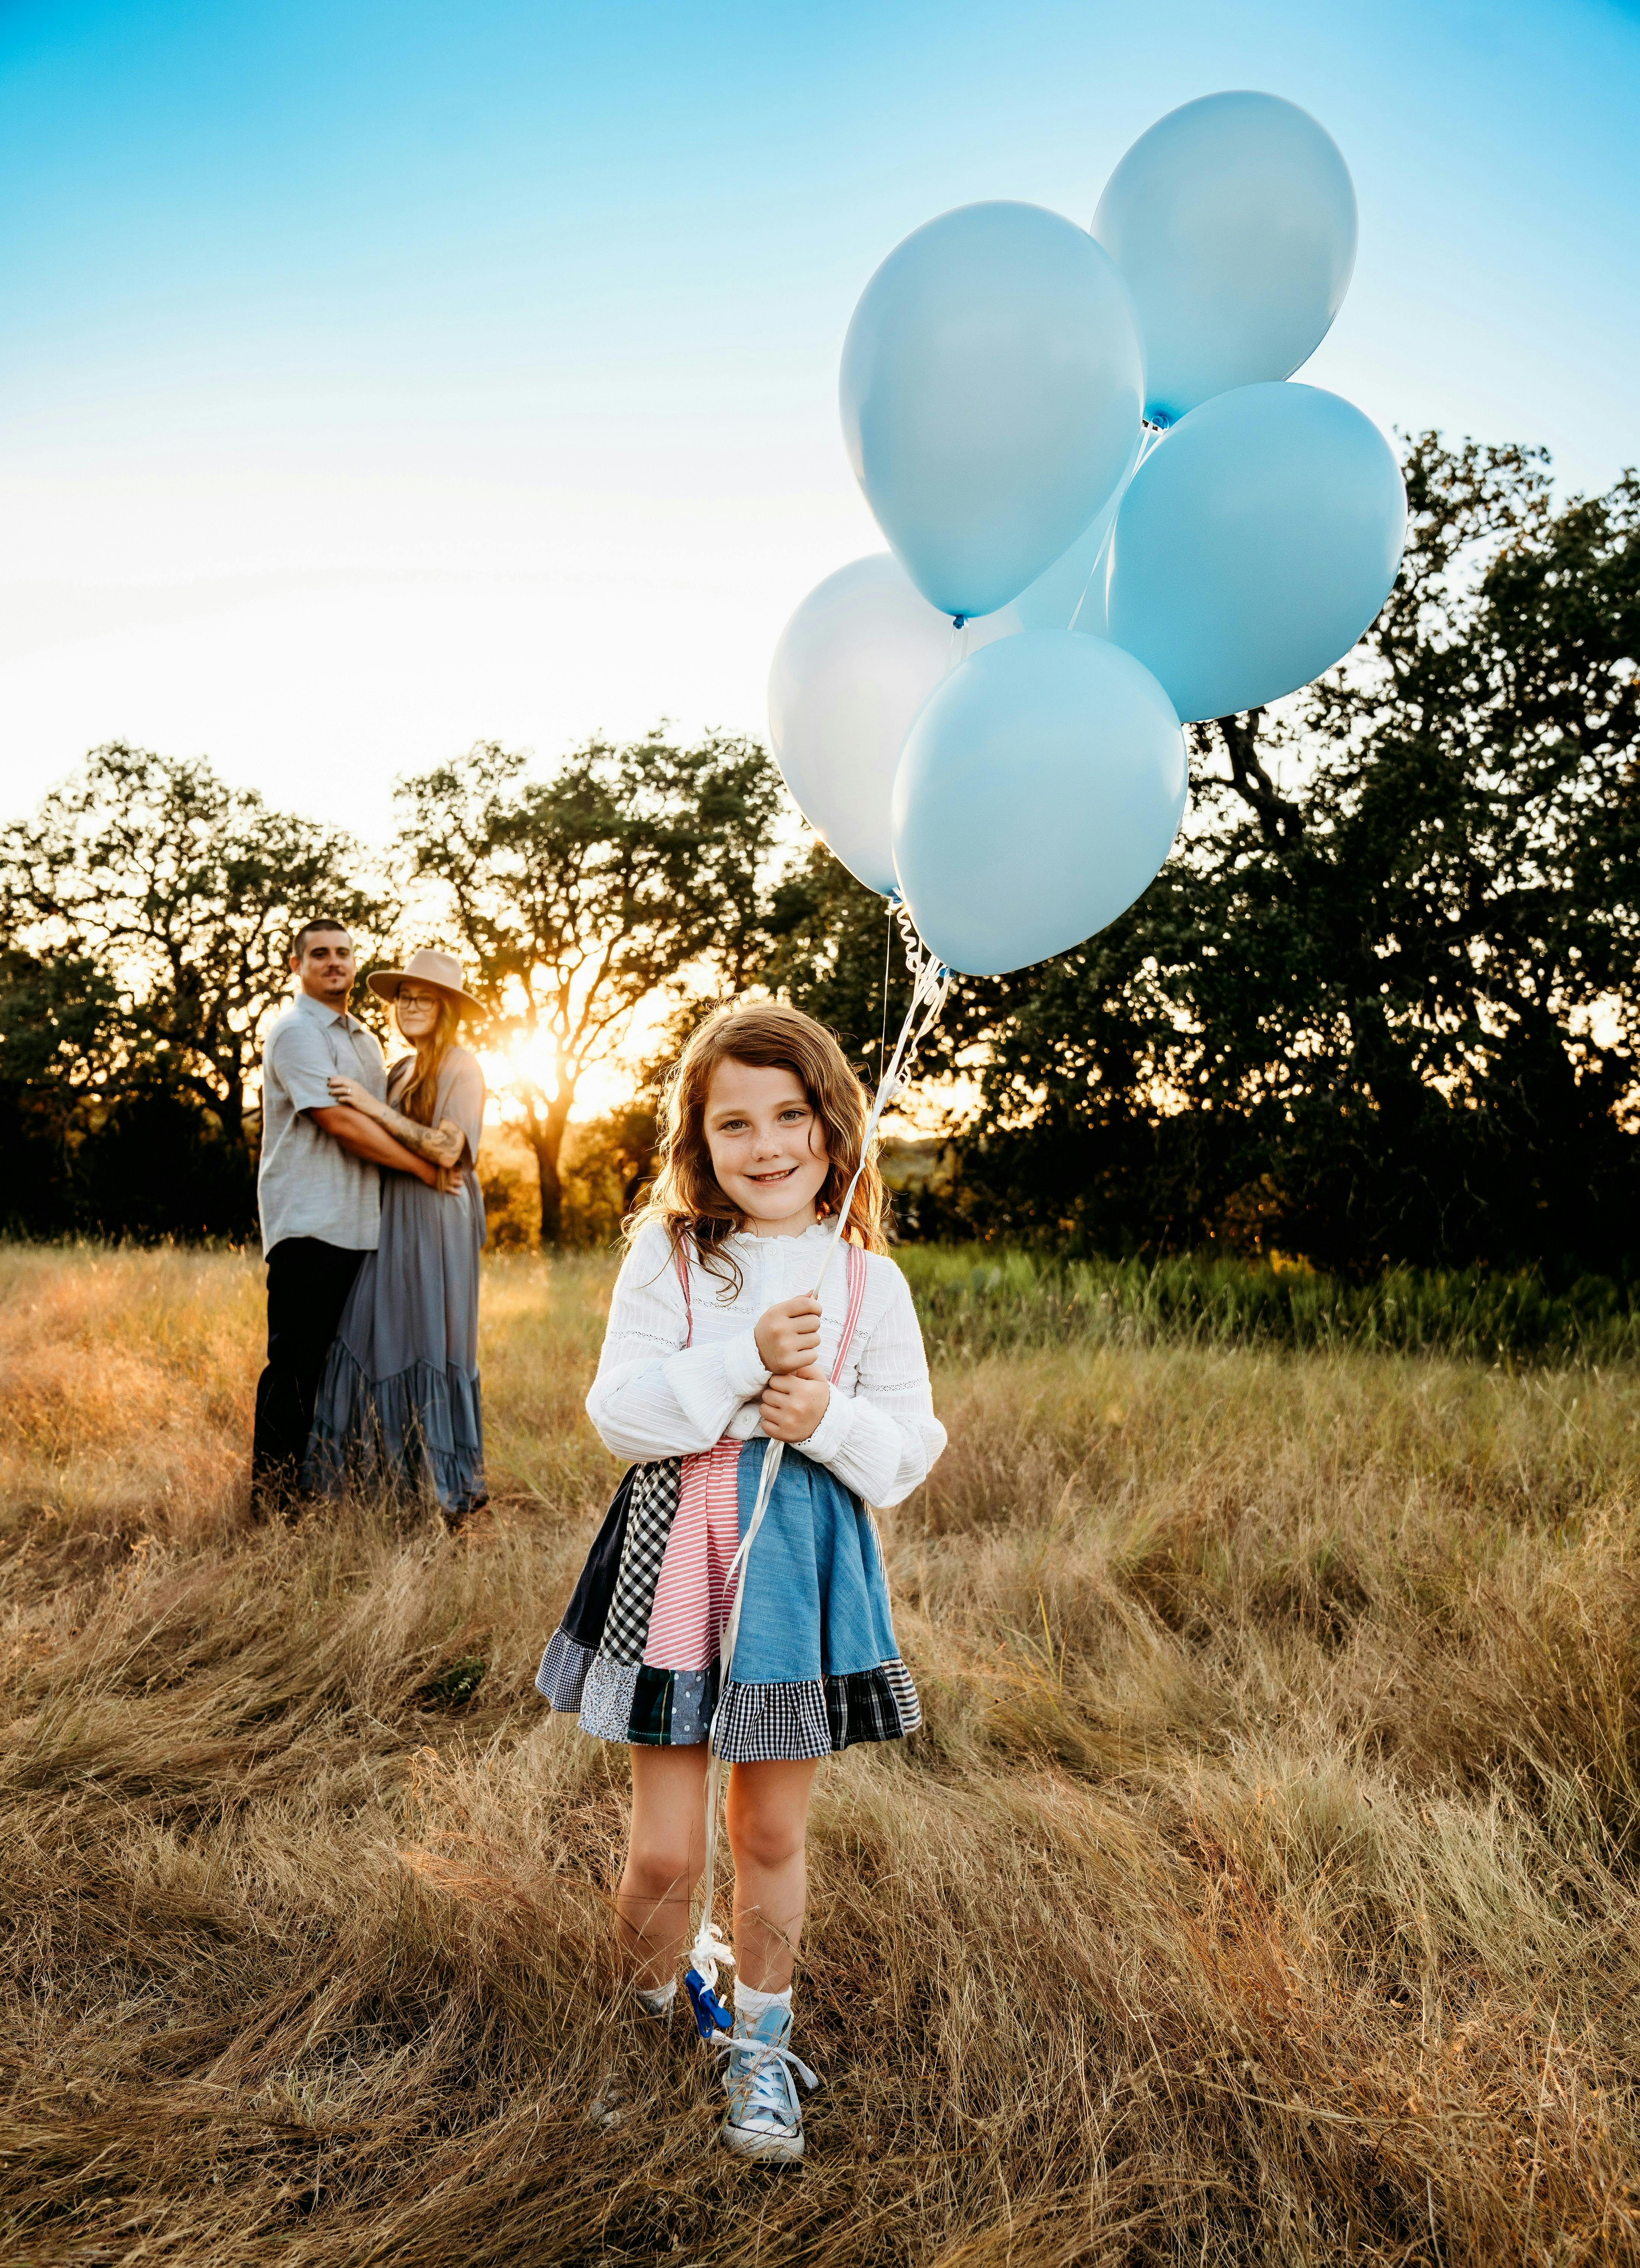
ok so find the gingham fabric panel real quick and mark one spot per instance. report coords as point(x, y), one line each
point(563, 1671)
point(651, 1511)
point(773, 1724)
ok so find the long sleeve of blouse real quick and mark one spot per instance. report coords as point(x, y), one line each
point(655, 1395)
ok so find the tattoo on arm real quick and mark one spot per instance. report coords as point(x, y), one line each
point(442, 1145)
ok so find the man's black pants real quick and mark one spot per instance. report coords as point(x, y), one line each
point(308, 1287)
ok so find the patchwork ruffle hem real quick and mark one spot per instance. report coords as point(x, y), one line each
point(817, 1667)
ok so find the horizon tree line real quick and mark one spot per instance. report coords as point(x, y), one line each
point(1379, 1007)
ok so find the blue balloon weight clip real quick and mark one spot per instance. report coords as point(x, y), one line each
point(710, 2015)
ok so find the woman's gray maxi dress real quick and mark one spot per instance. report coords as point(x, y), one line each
point(398, 1406)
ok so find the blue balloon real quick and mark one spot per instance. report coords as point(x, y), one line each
point(990, 392)
point(1039, 793)
point(1233, 219)
point(1254, 545)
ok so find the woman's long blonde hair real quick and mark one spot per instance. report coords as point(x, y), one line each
point(418, 1098)
point(684, 1196)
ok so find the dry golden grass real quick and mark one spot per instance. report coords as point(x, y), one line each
point(1263, 1889)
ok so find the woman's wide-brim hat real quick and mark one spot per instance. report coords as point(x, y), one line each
point(441, 970)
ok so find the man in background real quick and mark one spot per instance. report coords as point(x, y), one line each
point(318, 1191)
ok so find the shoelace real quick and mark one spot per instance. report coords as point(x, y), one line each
point(770, 2089)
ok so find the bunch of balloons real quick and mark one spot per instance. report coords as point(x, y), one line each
point(1108, 515)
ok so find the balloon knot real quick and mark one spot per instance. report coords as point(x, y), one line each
point(958, 620)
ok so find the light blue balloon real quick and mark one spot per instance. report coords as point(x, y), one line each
point(1254, 545)
point(990, 392)
point(1071, 596)
point(1233, 219)
point(1039, 793)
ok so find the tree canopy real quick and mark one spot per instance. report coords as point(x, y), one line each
point(181, 892)
point(1381, 1005)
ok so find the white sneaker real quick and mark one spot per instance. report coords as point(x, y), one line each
point(765, 2119)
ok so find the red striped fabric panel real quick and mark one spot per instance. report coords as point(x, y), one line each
point(690, 1600)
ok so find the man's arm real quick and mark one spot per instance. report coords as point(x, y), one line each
point(372, 1143)
point(443, 1145)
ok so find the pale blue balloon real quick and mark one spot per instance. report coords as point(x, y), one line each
point(1233, 219)
point(990, 394)
point(1039, 791)
point(1254, 545)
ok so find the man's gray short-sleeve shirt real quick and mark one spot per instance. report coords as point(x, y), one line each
point(307, 1184)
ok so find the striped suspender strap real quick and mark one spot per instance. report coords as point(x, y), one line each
point(856, 1294)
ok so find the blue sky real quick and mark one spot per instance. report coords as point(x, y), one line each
point(374, 378)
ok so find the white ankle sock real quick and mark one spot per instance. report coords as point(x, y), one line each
point(657, 2000)
point(754, 2006)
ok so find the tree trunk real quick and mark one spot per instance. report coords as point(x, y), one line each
point(546, 1136)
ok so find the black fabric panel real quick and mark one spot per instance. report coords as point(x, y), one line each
point(588, 1608)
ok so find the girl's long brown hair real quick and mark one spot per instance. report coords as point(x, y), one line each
point(684, 1196)
point(419, 1097)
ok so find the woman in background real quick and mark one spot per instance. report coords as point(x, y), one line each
point(398, 1406)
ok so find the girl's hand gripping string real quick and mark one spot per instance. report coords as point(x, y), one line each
point(788, 1339)
point(789, 1334)
point(793, 1406)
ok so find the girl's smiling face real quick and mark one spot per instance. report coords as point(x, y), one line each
point(767, 1146)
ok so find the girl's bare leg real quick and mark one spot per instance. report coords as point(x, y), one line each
point(665, 1855)
point(768, 1815)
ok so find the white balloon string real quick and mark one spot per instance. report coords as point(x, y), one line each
point(1149, 436)
point(930, 988)
point(888, 960)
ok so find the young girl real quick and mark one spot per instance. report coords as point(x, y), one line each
point(717, 1344)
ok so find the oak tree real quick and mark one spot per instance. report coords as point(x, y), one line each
point(578, 895)
point(184, 893)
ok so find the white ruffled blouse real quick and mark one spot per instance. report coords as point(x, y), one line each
point(656, 1396)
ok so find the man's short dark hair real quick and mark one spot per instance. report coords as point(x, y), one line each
point(313, 929)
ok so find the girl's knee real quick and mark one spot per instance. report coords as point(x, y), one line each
point(662, 1869)
point(762, 1836)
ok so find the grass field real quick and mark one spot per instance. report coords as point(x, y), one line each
point(1264, 1888)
